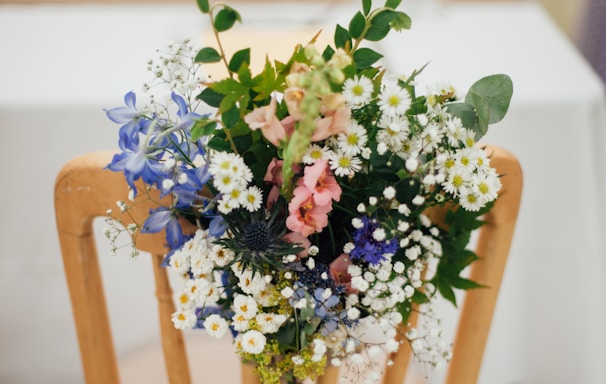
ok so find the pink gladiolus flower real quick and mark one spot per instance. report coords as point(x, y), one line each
point(319, 179)
point(332, 124)
point(300, 240)
point(306, 217)
point(338, 271)
point(265, 118)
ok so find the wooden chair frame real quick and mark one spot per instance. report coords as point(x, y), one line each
point(84, 190)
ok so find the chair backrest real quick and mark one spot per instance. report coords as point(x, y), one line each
point(84, 191)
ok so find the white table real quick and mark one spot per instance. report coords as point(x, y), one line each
point(61, 65)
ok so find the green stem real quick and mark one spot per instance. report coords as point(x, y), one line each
point(216, 33)
point(367, 25)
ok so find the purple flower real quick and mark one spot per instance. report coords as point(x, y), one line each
point(162, 218)
point(368, 248)
point(132, 119)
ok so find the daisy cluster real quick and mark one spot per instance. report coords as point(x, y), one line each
point(309, 188)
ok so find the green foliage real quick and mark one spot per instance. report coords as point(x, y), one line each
point(490, 96)
point(365, 58)
point(208, 55)
point(203, 5)
point(226, 18)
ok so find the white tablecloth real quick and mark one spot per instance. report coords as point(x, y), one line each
point(61, 65)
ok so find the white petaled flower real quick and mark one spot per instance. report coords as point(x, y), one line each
point(354, 140)
point(319, 349)
point(180, 262)
point(471, 200)
point(394, 100)
point(215, 326)
point(314, 153)
point(357, 91)
point(245, 305)
point(221, 255)
point(253, 342)
point(253, 197)
point(225, 206)
point(486, 185)
point(389, 192)
point(184, 318)
point(456, 181)
point(270, 322)
point(343, 164)
point(251, 283)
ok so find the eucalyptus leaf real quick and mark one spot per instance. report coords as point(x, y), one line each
point(208, 55)
point(490, 96)
point(467, 114)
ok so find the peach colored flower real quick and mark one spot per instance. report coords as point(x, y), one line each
point(306, 217)
point(332, 124)
point(265, 118)
point(300, 240)
point(319, 179)
point(338, 271)
point(293, 97)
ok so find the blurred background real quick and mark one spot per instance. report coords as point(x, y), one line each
point(37, 337)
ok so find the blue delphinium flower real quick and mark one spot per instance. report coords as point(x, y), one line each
point(165, 218)
point(135, 162)
point(367, 247)
point(133, 120)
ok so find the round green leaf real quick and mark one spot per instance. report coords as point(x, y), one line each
point(208, 55)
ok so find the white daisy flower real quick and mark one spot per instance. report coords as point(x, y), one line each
point(180, 262)
point(344, 165)
point(357, 91)
point(394, 100)
point(456, 181)
point(215, 326)
point(314, 153)
point(253, 342)
point(253, 197)
point(184, 318)
point(352, 143)
point(486, 186)
point(225, 206)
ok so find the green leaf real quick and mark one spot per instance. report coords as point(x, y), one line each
point(202, 127)
point(366, 5)
point(466, 113)
point(231, 117)
point(376, 33)
point(219, 144)
point(239, 58)
point(407, 189)
point(210, 97)
point(342, 39)
point(203, 5)
point(366, 57)
point(226, 18)
point(208, 55)
point(447, 292)
point(266, 82)
point(392, 3)
point(490, 96)
point(357, 25)
point(401, 21)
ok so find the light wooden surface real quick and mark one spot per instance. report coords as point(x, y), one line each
point(84, 190)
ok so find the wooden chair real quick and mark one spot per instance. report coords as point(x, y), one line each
point(84, 191)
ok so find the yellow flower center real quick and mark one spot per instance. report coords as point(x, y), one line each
point(357, 90)
point(457, 181)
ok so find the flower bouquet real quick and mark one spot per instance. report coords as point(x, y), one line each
point(308, 186)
